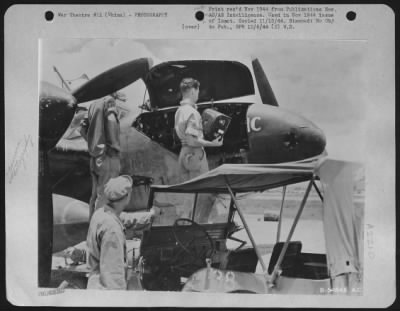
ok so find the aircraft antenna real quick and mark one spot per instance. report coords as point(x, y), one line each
point(63, 83)
point(144, 105)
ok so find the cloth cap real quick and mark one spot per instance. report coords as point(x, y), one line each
point(118, 187)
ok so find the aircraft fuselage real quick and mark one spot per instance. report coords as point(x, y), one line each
point(257, 134)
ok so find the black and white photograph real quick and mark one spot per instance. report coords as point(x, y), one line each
point(202, 166)
point(232, 182)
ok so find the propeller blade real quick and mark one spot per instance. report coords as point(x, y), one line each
point(266, 93)
point(112, 80)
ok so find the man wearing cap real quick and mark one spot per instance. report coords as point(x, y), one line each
point(101, 130)
point(189, 129)
point(106, 242)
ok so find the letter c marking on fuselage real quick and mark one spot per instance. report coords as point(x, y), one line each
point(252, 124)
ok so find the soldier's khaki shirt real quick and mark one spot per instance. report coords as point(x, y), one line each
point(106, 245)
point(188, 121)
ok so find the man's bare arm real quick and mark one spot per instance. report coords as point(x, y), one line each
point(194, 141)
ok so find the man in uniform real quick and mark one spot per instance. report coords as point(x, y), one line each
point(106, 241)
point(189, 129)
point(192, 157)
point(101, 131)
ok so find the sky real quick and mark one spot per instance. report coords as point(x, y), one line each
point(323, 80)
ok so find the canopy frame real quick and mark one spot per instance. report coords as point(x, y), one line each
point(275, 273)
point(194, 207)
point(318, 191)
point(253, 243)
point(234, 179)
point(278, 232)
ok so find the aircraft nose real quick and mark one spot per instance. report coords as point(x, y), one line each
point(56, 110)
point(277, 135)
point(309, 139)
